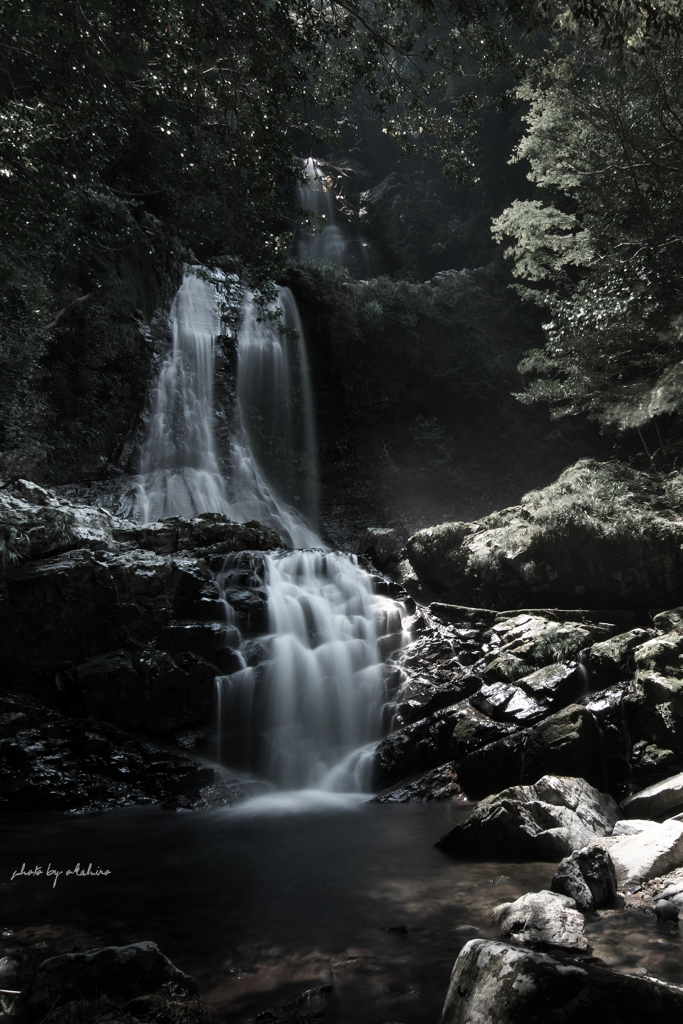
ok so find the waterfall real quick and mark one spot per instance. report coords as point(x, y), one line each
point(305, 703)
point(179, 471)
point(317, 195)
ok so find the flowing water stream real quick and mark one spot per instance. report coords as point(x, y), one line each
point(307, 714)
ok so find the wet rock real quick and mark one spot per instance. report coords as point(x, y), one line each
point(650, 763)
point(507, 703)
point(655, 800)
point(543, 919)
point(150, 689)
point(609, 660)
point(492, 981)
point(652, 852)
point(555, 685)
point(42, 526)
point(202, 638)
point(525, 555)
point(53, 762)
point(438, 784)
point(446, 735)
point(119, 972)
point(666, 910)
point(656, 704)
point(418, 697)
point(587, 876)
point(381, 546)
point(566, 743)
point(209, 534)
point(608, 708)
point(539, 640)
point(545, 821)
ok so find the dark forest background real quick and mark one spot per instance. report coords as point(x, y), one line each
point(509, 177)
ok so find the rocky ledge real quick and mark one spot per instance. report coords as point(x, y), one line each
point(112, 629)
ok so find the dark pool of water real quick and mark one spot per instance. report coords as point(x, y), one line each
point(290, 893)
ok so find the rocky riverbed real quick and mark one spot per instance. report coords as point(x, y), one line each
point(537, 671)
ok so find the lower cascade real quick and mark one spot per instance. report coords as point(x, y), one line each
point(303, 705)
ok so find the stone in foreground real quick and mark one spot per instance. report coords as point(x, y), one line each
point(588, 877)
point(651, 853)
point(493, 983)
point(655, 800)
point(120, 972)
point(545, 821)
point(544, 919)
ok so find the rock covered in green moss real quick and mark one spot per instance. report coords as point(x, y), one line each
point(602, 536)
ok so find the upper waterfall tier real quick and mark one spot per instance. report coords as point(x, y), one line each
point(270, 465)
point(317, 195)
point(180, 472)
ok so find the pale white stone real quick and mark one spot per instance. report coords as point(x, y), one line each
point(650, 853)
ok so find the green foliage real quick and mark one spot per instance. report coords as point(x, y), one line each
point(601, 247)
point(610, 498)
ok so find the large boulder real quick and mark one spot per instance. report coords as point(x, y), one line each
point(492, 981)
point(656, 705)
point(119, 972)
point(600, 536)
point(446, 735)
point(543, 919)
point(653, 852)
point(546, 821)
point(609, 659)
point(587, 876)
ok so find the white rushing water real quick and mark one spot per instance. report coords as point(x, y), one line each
point(317, 195)
point(307, 713)
point(179, 472)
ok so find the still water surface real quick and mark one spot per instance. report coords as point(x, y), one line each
point(287, 893)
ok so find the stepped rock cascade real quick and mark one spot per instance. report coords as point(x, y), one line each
point(317, 195)
point(304, 702)
point(319, 696)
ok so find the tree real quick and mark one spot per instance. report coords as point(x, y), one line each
point(601, 247)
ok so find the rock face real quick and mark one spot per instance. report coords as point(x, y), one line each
point(655, 800)
point(120, 972)
point(543, 919)
point(546, 821)
point(110, 618)
point(609, 659)
point(566, 743)
point(495, 982)
point(656, 707)
point(381, 546)
point(53, 762)
point(592, 538)
point(652, 852)
point(587, 876)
